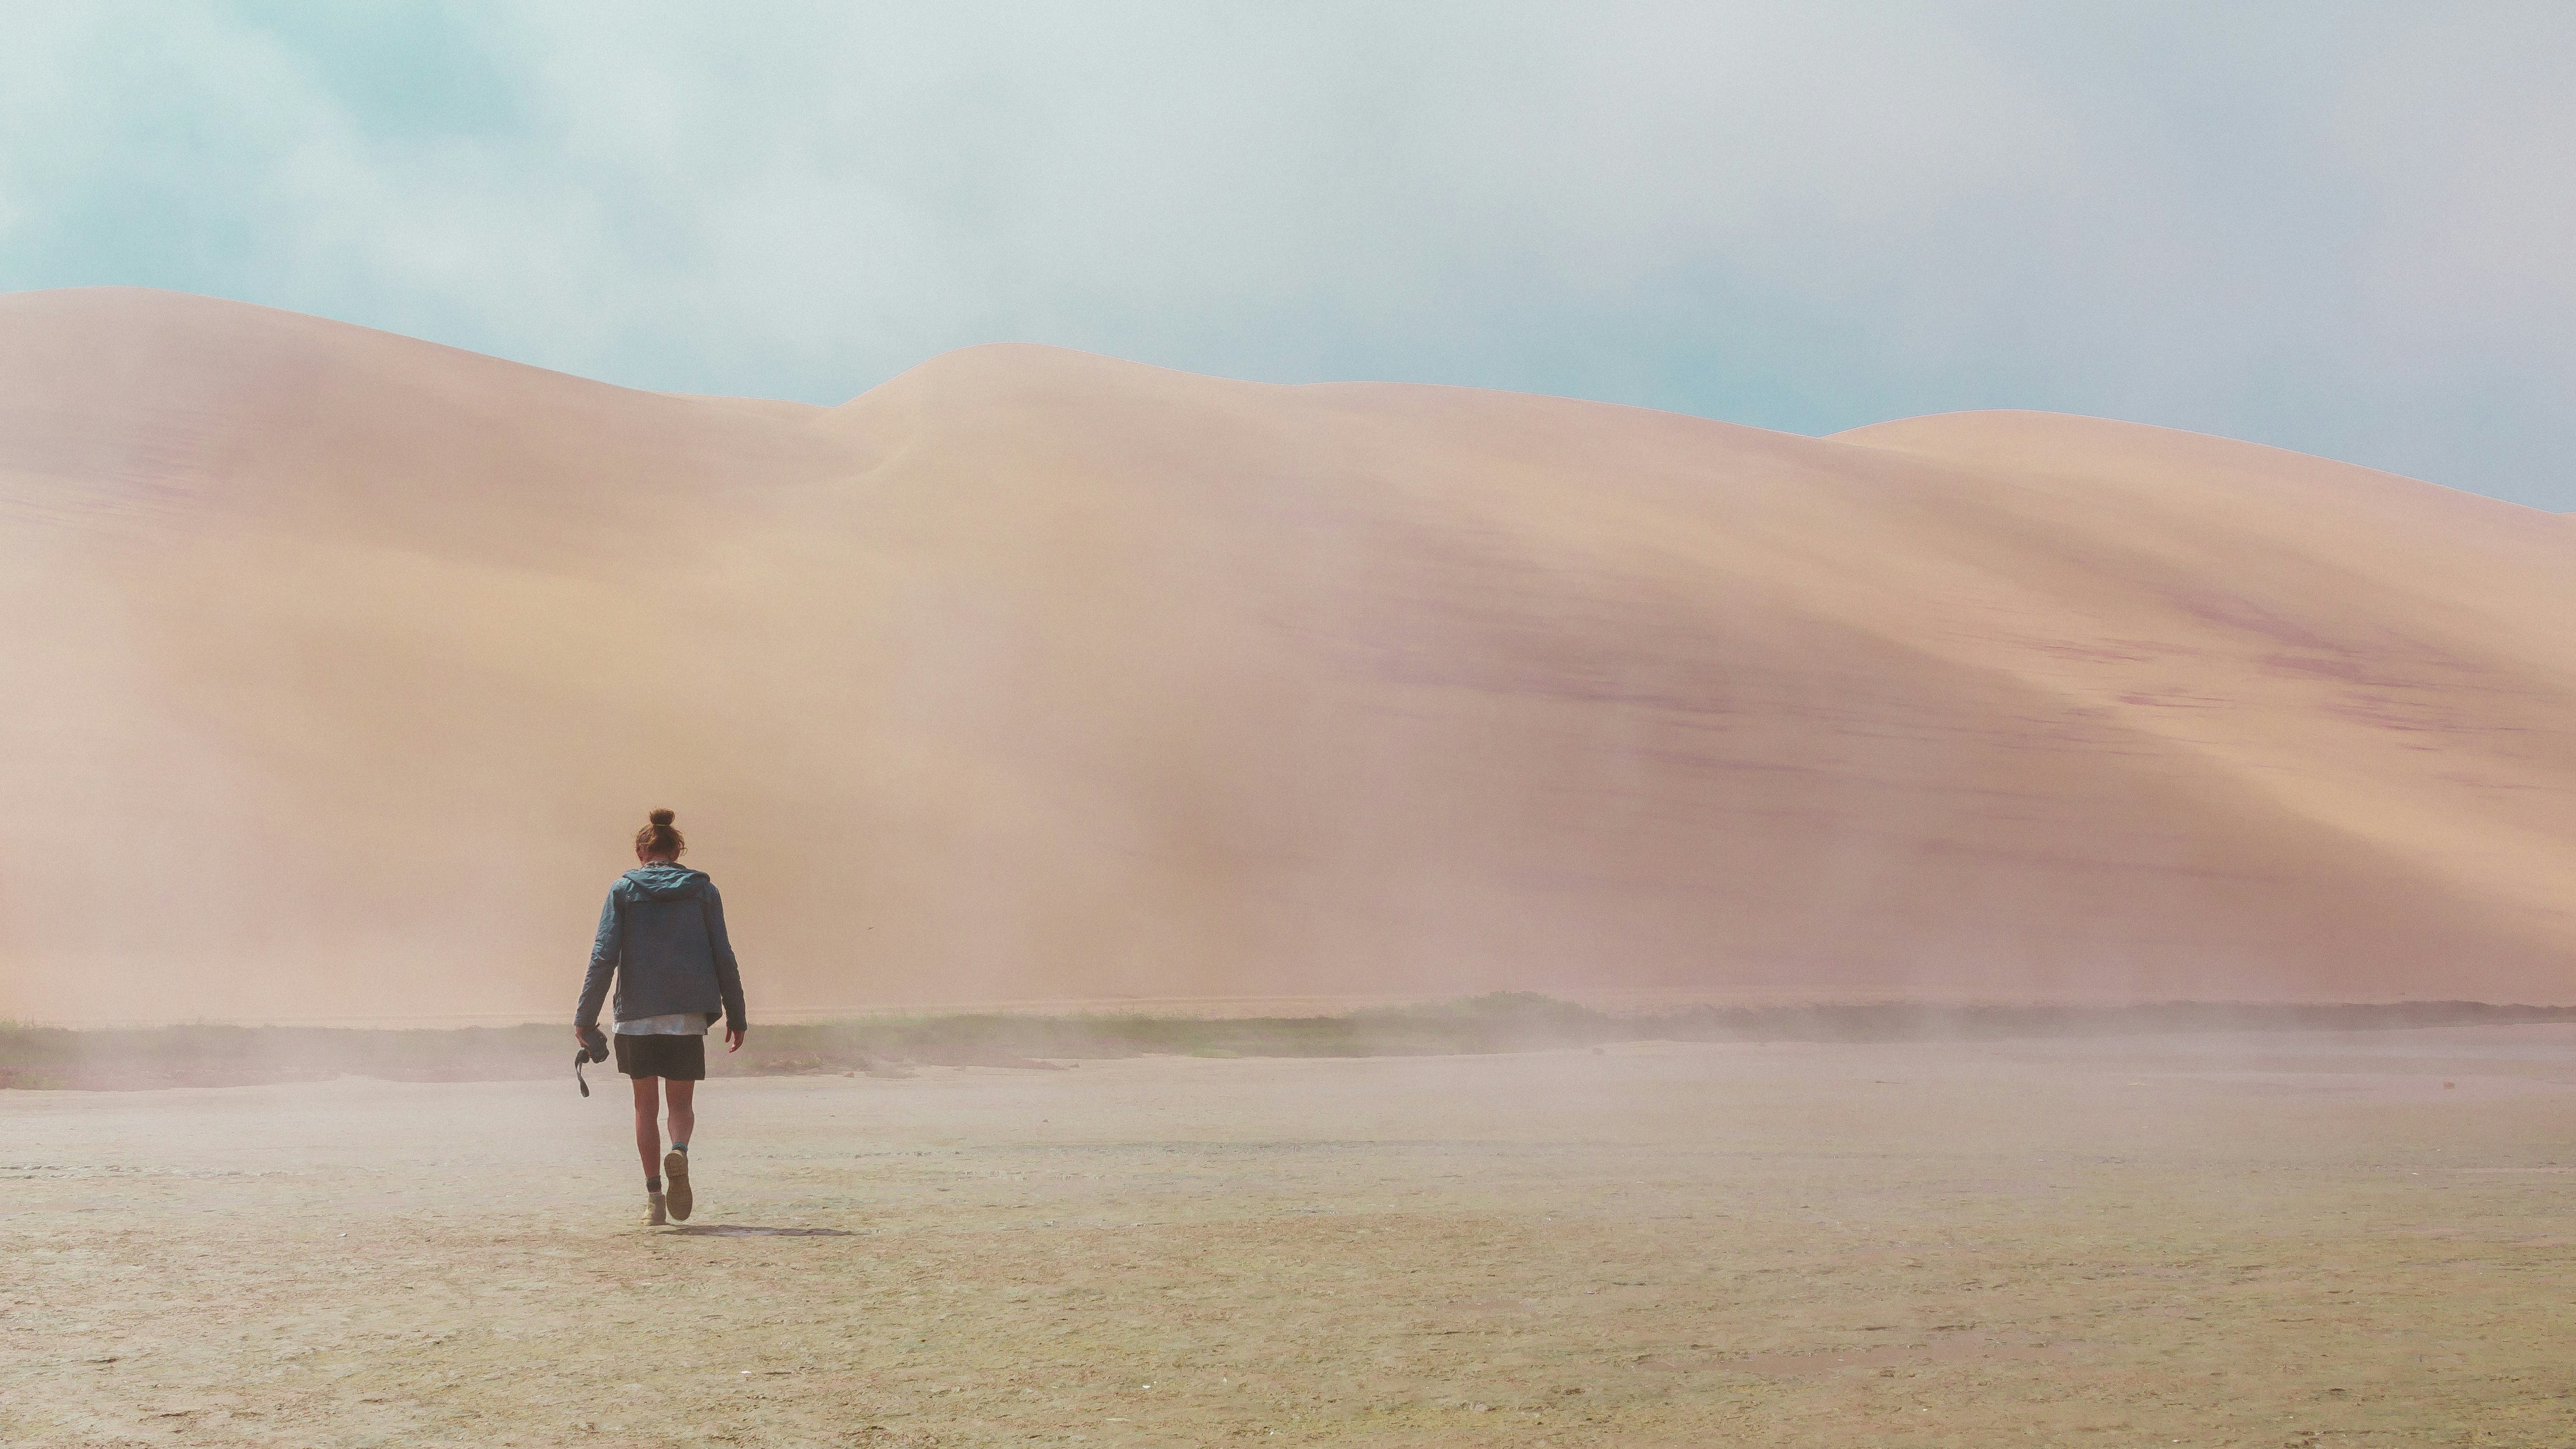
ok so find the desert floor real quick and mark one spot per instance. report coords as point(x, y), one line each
point(2281, 1240)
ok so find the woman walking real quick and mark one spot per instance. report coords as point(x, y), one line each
point(662, 936)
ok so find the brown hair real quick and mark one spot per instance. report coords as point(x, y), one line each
point(659, 838)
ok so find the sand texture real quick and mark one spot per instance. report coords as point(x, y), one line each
point(2326, 1240)
point(340, 664)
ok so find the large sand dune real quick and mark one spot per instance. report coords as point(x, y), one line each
point(339, 665)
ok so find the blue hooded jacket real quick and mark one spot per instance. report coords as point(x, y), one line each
point(662, 936)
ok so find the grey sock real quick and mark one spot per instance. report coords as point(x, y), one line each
point(652, 1184)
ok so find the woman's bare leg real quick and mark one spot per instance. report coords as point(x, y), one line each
point(683, 1097)
point(648, 1131)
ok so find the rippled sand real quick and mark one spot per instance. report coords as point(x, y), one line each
point(2320, 1239)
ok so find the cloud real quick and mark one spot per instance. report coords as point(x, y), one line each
point(2336, 228)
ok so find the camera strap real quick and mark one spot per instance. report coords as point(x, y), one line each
point(593, 1048)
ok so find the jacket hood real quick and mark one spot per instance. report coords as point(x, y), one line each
point(665, 882)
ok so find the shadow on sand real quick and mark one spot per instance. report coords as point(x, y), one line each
point(741, 1230)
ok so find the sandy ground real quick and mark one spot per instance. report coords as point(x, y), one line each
point(2288, 1241)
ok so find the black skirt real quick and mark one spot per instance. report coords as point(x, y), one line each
point(680, 1058)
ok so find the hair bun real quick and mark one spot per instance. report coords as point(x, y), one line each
point(660, 817)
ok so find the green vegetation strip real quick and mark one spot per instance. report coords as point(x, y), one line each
point(206, 1055)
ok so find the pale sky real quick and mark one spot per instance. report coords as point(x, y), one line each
point(2345, 228)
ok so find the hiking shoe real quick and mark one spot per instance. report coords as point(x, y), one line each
point(675, 1185)
point(653, 1217)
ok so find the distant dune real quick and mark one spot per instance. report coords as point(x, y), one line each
point(340, 666)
